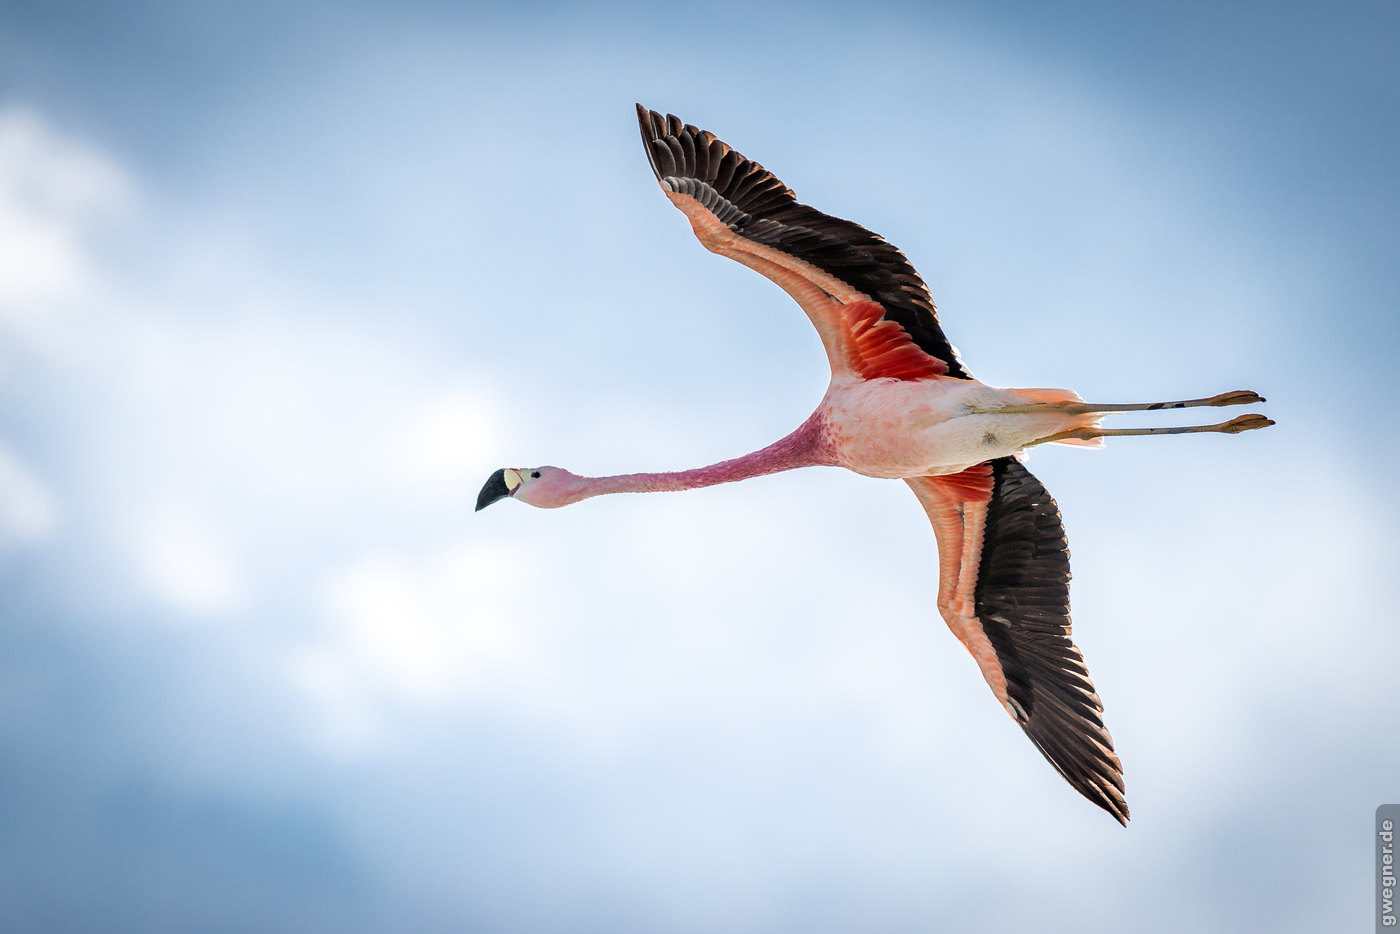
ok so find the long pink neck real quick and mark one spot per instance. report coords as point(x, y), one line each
point(808, 446)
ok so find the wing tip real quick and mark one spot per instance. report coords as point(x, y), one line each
point(1116, 805)
point(1086, 760)
point(647, 122)
point(645, 118)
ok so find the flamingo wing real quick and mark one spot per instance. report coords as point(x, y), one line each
point(1004, 591)
point(741, 210)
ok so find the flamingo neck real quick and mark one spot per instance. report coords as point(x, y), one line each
point(808, 446)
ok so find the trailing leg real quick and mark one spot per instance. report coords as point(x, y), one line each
point(1071, 407)
point(1089, 433)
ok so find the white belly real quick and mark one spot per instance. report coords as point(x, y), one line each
point(891, 428)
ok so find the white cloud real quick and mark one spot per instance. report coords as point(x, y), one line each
point(347, 720)
point(187, 561)
point(28, 513)
point(428, 633)
point(445, 439)
point(53, 191)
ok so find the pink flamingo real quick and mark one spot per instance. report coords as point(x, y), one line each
point(901, 405)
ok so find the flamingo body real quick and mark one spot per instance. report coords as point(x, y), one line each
point(901, 405)
point(893, 429)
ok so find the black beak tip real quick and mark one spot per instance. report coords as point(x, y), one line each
point(494, 489)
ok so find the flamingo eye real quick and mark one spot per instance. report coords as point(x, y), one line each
point(535, 474)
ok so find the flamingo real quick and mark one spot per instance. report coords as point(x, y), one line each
point(902, 405)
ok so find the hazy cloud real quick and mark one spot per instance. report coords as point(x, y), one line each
point(28, 512)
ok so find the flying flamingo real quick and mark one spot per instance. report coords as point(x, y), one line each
point(901, 405)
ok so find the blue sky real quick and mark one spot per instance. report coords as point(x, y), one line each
point(280, 287)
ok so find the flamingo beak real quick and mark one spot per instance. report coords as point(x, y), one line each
point(499, 485)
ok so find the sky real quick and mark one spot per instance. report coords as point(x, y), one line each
point(281, 286)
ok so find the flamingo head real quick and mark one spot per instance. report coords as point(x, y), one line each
point(546, 487)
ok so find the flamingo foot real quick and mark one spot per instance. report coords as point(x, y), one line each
point(1238, 397)
point(1245, 423)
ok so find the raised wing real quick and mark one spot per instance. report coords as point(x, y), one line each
point(741, 210)
point(1004, 591)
